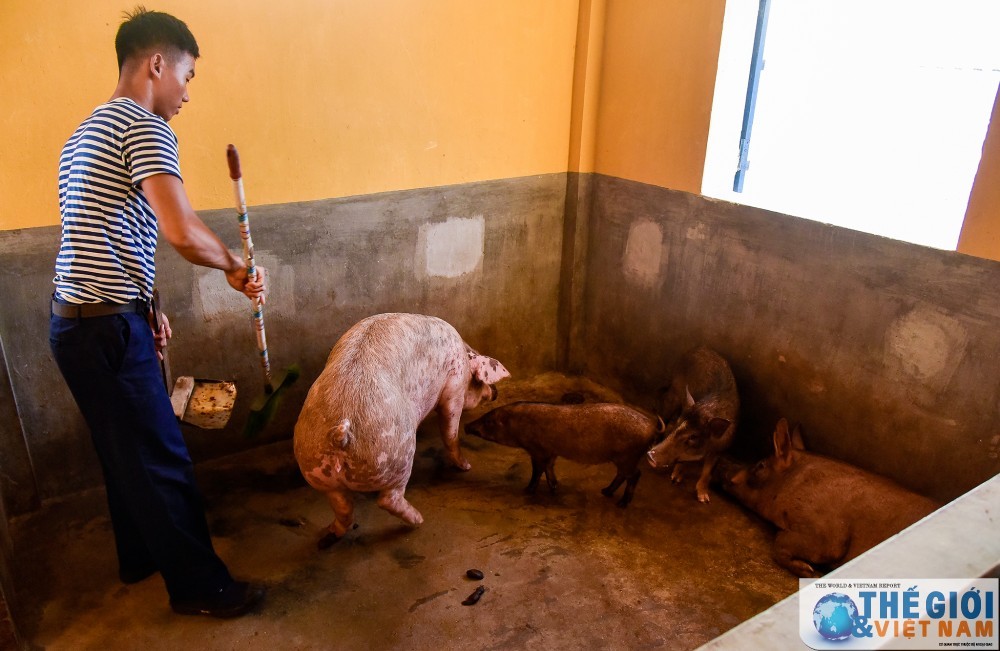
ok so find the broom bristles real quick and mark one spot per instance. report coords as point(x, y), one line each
point(264, 408)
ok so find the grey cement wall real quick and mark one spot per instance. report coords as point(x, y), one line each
point(10, 614)
point(887, 353)
point(484, 256)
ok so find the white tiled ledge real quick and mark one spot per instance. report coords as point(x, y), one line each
point(959, 540)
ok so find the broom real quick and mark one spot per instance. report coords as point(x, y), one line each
point(264, 407)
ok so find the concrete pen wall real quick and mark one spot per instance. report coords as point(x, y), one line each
point(341, 111)
point(530, 172)
point(570, 263)
point(885, 352)
point(315, 244)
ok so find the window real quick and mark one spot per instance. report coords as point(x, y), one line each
point(870, 114)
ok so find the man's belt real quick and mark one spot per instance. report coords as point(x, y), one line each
point(86, 310)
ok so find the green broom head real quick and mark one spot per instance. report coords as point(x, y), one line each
point(264, 407)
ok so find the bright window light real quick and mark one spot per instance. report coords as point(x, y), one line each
point(870, 114)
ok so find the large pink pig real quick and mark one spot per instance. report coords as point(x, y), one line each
point(357, 428)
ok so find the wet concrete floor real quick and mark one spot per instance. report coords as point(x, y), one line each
point(563, 571)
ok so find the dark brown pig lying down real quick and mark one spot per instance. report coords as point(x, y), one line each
point(586, 433)
point(826, 511)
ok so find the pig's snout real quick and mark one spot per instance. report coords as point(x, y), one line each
point(738, 479)
point(729, 472)
point(477, 393)
point(663, 454)
point(654, 460)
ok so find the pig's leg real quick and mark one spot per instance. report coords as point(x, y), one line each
point(609, 490)
point(392, 500)
point(629, 472)
point(706, 474)
point(633, 480)
point(790, 551)
point(537, 468)
point(550, 474)
point(541, 465)
point(343, 512)
point(677, 474)
point(449, 414)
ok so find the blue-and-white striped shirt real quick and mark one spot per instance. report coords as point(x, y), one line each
point(108, 228)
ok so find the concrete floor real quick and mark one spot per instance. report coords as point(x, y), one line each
point(563, 571)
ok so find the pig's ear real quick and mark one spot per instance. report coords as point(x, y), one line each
point(718, 426)
point(782, 444)
point(487, 369)
point(797, 441)
point(688, 398)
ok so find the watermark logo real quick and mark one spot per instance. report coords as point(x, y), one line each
point(899, 613)
point(834, 616)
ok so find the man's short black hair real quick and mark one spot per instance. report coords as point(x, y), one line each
point(144, 30)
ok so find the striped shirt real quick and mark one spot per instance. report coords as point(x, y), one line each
point(108, 228)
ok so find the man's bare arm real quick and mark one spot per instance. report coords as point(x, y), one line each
point(188, 234)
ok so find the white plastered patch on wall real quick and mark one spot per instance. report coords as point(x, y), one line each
point(453, 247)
point(643, 252)
point(926, 345)
point(218, 300)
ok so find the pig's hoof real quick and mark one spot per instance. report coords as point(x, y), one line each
point(329, 539)
point(461, 464)
point(607, 492)
point(622, 503)
point(704, 498)
point(804, 570)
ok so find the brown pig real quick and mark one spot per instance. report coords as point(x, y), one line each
point(701, 408)
point(826, 511)
point(588, 433)
point(357, 428)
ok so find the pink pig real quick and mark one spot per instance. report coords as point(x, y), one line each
point(357, 428)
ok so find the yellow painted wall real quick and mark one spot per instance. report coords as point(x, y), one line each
point(981, 229)
point(586, 85)
point(323, 98)
point(331, 98)
point(657, 83)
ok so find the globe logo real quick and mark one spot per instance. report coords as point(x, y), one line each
point(834, 616)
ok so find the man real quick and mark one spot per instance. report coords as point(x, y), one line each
point(119, 179)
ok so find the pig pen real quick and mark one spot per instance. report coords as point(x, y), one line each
point(563, 571)
point(886, 352)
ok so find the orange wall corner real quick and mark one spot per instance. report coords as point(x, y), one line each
point(657, 85)
point(980, 234)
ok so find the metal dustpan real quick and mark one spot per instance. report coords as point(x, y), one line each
point(207, 404)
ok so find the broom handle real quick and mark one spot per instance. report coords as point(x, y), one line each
point(233, 158)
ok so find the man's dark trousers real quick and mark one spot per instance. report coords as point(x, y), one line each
point(157, 513)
